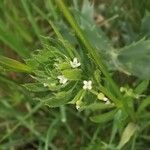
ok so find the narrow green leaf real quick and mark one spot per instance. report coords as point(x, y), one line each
point(64, 66)
point(35, 87)
point(118, 117)
point(142, 87)
point(145, 25)
point(78, 97)
point(58, 99)
point(101, 118)
point(51, 8)
point(66, 44)
point(15, 44)
point(97, 106)
point(72, 74)
point(128, 132)
point(31, 18)
point(14, 65)
point(51, 132)
point(14, 19)
point(145, 103)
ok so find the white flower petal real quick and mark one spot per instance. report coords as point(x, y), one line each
point(75, 63)
point(89, 87)
point(84, 87)
point(75, 60)
point(59, 77)
point(84, 82)
point(105, 99)
point(89, 82)
point(45, 84)
point(62, 79)
point(78, 64)
point(107, 102)
point(77, 107)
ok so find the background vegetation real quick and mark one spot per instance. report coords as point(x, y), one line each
point(116, 30)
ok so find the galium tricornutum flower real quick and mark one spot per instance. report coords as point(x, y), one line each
point(45, 84)
point(62, 79)
point(106, 100)
point(78, 104)
point(75, 63)
point(87, 85)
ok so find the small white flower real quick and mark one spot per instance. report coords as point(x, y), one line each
point(75, 63)
point(77, 107)
point(45, 84)
point(62, 79)
point(105, 99)
point(87, 85)
point(78, 104)
point(107, 102)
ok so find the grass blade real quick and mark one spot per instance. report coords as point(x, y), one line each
point(31, 19)
point(14, 65)
point(13, 43)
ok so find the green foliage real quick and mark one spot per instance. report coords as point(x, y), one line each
point(145, 27)
point(74, 74)
point(15, 44)
point(135, 59)
point(142, 87)
point(101, 70)
point(58, 99)
point(10, 64)
point(35, 87)
point(128, 132)
point(85, 18)
point(102, 118)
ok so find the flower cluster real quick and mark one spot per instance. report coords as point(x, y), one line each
point(75, 64)
point(87, 84)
